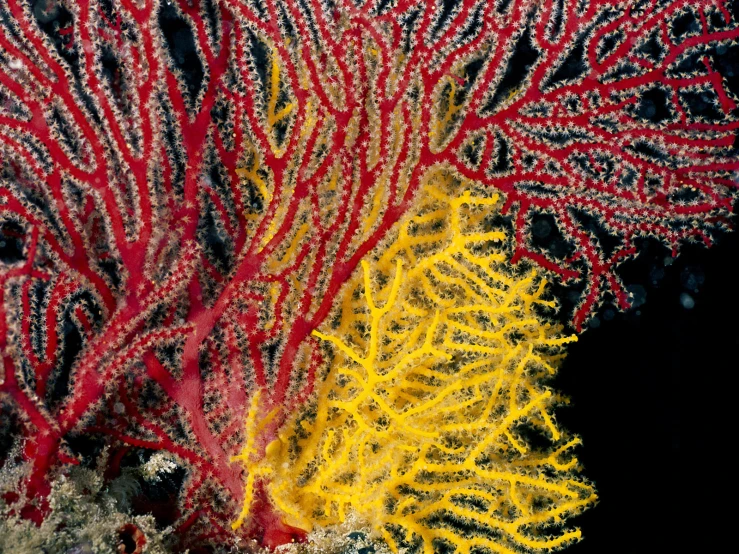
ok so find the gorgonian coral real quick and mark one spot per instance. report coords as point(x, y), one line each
point(425, 423)
point(186, 186)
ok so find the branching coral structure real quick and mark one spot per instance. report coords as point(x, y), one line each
point(187, 186)
point(424, 424)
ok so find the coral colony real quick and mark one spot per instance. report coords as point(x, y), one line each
point(272, 267)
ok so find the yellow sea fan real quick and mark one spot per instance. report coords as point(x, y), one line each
point(424, 424)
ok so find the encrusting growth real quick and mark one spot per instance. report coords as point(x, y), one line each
point(424, 424)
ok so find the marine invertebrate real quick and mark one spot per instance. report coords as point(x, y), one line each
point(84, 517)
point(186, 186)
point(421, 424)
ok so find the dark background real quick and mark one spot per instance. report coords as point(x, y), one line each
point(647, 388)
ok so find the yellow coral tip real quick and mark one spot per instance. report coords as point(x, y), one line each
point(273, 447)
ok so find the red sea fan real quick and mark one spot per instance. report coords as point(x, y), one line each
point(185, 186)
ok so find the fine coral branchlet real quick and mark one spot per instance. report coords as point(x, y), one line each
point(188, 186)
point(418, 428)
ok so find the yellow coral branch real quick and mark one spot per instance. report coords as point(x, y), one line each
point(420, 420)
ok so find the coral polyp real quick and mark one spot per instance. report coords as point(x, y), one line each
point(423, 424)
point(189, 188)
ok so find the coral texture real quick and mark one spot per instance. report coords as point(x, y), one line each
point(424, 425)
point(187, 185)
point(86, 516)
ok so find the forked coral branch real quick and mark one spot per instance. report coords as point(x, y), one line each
point(422, 427)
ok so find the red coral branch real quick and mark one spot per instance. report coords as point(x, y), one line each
point(192, 184)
